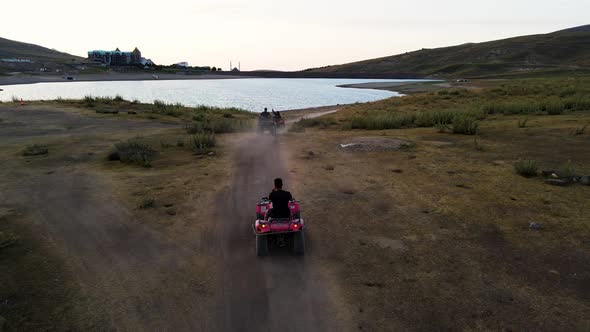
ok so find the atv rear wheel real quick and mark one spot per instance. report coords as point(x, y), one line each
point(261, 245)
point(298, 243)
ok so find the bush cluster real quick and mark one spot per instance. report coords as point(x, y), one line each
point(218, 125)
point(35, 150)
point(91, 101)
point(551, 106)
point(461, 122)
point(201, 143)
point(526, 168)
point(133, 151)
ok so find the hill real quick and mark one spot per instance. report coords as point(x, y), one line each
point(14, 49)
point(563, 51)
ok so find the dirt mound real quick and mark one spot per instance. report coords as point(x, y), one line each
point(371, 144)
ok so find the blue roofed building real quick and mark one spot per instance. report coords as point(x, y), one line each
point(116, 57)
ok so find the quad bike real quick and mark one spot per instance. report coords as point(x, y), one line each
point(267, 124)
point(278, 232)
point(279, 122)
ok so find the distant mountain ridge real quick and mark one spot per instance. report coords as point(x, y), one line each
point(558, 52)
point(582, 28)
point(14, 49)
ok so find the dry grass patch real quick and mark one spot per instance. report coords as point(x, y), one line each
point(471, 261)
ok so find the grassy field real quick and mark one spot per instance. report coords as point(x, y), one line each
point(448, 107)
point(195, 119)
point(91, 157)
point(455, 230)
point(445, 234)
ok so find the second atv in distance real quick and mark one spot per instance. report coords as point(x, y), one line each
point(267, 124)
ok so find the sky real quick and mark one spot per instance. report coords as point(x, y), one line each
point(275, 34)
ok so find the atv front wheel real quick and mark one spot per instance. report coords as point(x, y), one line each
point(298, 243)
point(261, 245)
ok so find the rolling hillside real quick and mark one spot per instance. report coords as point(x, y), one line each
point(559, 52)
point(14, 49)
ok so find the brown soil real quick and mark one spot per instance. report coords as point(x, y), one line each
point(436, 237)
point(188, 263)
point(279, 292)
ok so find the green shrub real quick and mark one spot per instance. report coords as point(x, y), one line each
point(164, 108)
point(89, 101)
point(320, 122)
point(522, 123)
point(510, 108)
point(465, 125)
point(526, 168)
point(35, 150)
point(218, 125)
point(225, 125)
point(432, 118)
point(441, 127)
point(202, 143)
point(148, 203)
point(133, 151)
point(553, 107)
point(382, 121)
point(15, 99)
point(567, 171)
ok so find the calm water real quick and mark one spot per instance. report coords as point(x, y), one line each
point(252, 94)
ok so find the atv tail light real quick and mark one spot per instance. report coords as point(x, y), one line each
point(263, 225)
point(295, 225)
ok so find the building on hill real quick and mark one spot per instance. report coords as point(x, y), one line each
point(116, 57)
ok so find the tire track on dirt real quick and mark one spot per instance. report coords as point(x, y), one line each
point(131, 278)
point(280, 292)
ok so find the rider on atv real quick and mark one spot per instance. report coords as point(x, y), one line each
point(276, 115)
point(280, 201)
point(265, 114)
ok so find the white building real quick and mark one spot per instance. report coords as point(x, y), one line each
point(146, 62)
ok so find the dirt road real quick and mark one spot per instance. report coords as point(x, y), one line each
point(276, 293)
point(131, 277)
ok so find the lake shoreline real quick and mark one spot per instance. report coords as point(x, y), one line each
point(109, 77)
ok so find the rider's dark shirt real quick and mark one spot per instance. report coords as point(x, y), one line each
point(280, 203)
point(265, 115)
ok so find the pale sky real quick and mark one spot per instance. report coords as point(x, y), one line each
point(275, 34)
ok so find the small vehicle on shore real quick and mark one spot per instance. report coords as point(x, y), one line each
point(279, 232)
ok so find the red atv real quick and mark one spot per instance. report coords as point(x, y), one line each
point(279, 232)
point(279, 122)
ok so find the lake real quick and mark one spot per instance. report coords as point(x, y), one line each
point(252, 94)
